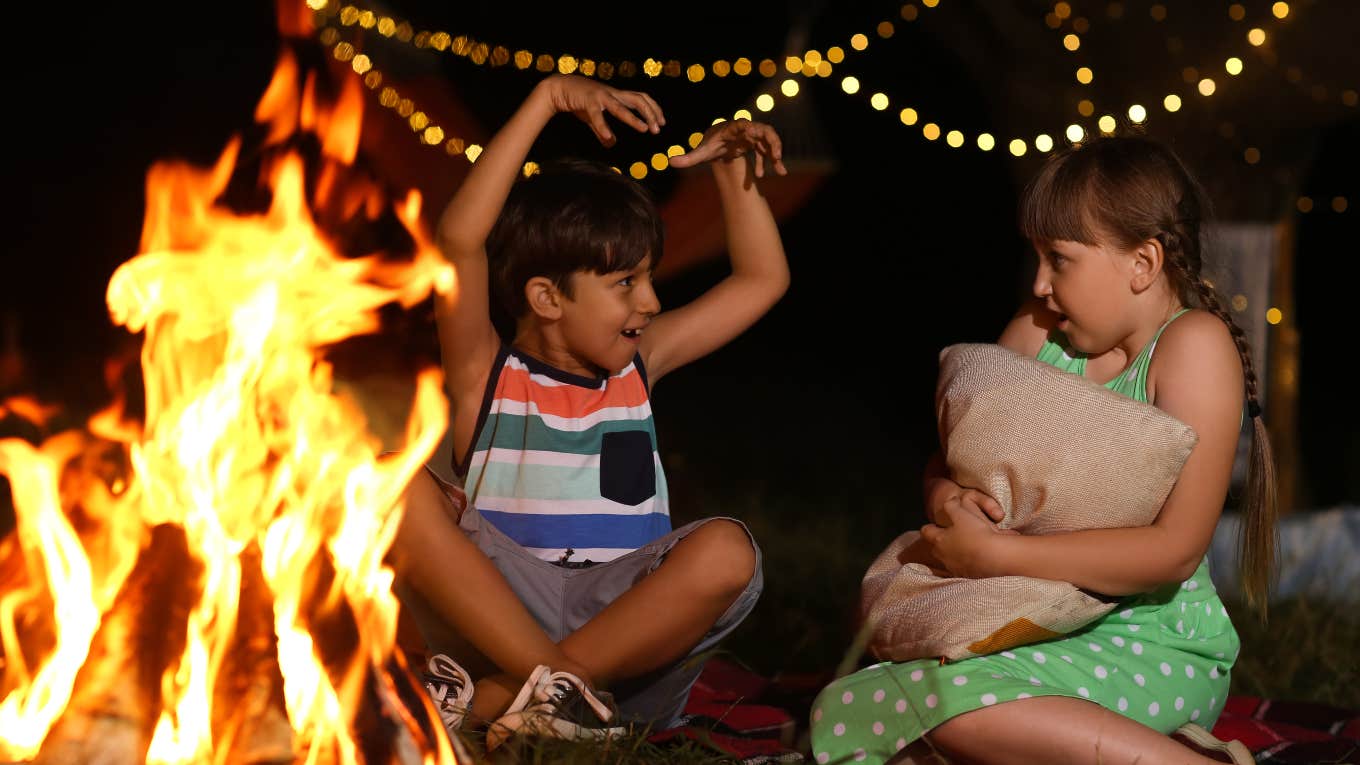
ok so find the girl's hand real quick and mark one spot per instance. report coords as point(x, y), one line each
point(944, 493)
point(731, 140)
point(965, 542)
point(590, 100)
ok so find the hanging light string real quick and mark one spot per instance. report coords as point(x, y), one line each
point(1106, 124)
point(432, 134)
point(482, 53)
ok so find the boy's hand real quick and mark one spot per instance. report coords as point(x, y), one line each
point(733, 139)
point(589, 100)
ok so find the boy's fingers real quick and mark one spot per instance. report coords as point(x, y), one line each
point(645, 107)
point(597, 123)
point(656, 108)
point(760, 164)
point(625, 115)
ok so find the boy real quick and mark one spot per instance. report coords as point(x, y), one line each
point(558, 566)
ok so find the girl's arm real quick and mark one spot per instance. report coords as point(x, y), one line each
point(1024, 335)
point(1196, 377)
point(760, 271)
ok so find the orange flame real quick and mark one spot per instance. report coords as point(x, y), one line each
point(246, 445)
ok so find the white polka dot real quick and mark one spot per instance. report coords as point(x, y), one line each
point(1182, 608)
point(1123, 704)
point(996, 676)
point(1139, 679)
point(1101, 673)
point(878, 729)
point(1225, 610)
point(1180, 626)
point(916, 675)
point(1039, 658)
point(1189, 671)
point(931, 701)
point(1191, 634)
point(1084, 693)
point(839, 730)
point(1154, 708)
point(900, 706)
point(1034, 681)
point(1137, 648)
point(847, 697)
point(823, 757)
point(1166, 669)
point(1213, 673)
point(1192, 585)
point(1133, 628)
point(1219, 654)
point(1213, 701)
point(817, 714)
point(901, 744)
point(1024, 696)
point(1067, 659)
point(1194, 715)
point(989, 699)
point(1119, 641)
point(961, 680)
point(1126, 613)
point(1180, 703)
point(1008, 654)
point(860, 755)
point(1095, 647)
point(1208, 609)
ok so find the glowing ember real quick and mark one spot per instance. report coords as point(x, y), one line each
point(248, 515)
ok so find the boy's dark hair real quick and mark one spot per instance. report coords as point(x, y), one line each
point(572, 215)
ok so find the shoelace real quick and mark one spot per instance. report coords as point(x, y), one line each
point(558, 686)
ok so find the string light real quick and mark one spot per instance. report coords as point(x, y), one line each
point(811, 63)
point(485, 53)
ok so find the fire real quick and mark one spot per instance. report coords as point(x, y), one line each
point(249, 511)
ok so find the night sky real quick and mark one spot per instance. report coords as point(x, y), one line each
point(907, 247)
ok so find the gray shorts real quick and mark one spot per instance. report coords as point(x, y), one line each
point(563, 599)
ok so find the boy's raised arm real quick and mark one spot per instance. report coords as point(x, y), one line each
point(467, 339)
point(760, 271)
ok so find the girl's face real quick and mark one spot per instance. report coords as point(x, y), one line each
point(1088, 287)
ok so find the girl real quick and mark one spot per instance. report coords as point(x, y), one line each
point(1119, 298)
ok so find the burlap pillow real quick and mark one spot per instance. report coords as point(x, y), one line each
point(1059, 453)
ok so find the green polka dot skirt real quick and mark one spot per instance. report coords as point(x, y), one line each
point(1160, 658)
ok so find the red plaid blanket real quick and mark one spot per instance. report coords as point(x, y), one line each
point(754, 720)
point(1291, 732)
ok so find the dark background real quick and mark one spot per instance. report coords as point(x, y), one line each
point(826, 406)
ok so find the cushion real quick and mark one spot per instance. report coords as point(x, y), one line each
point(1059, 453)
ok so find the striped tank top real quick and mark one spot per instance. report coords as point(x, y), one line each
point(567, 465)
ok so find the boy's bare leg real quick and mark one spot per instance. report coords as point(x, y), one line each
point(662, 617)
point(432, 555)
point(1057, 730)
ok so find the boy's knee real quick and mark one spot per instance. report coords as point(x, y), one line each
point(723, 555)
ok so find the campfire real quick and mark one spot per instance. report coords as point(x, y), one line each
point(203, 581)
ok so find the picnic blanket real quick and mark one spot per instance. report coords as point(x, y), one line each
point(757, 720)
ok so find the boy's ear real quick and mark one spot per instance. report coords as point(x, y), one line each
point(544, 298)
point(1148, 261)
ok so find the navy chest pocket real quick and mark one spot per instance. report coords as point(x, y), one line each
point(627, 467)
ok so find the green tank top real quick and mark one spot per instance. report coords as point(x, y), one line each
point(1131, 382)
